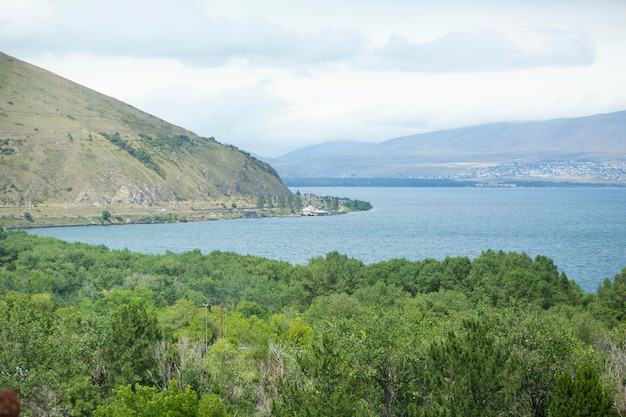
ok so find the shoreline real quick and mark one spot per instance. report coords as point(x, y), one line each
point(156, 218)
point(57, 214)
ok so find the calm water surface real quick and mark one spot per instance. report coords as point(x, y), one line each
point(582, 229)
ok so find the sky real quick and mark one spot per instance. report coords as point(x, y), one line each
point(274, 76)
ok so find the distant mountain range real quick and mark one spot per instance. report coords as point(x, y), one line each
point(62, 143)
point(591, 148)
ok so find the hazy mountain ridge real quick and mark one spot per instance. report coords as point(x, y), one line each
point(466, 152)
point(62, 142)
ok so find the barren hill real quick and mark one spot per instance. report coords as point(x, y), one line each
point(62, 143)
point(591, 148)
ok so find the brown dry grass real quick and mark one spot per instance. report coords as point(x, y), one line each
point(52, 151)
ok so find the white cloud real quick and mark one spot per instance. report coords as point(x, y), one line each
point(487, 51)
point(194, 33)
point(188, 31)
point(270, 77)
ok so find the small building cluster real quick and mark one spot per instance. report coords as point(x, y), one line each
point(313, 211)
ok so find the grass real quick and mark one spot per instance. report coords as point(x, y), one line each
point(53, 134)
point(42, 219)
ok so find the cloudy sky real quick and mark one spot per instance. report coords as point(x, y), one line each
point(275, 76)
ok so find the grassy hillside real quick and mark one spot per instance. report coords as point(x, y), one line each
point(64, 145)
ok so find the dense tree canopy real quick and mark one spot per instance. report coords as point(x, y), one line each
point(88, 331)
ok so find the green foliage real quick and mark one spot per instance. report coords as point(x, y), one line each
point(357, 205)
point(542, 347)
point(233, 375)
point(340, 305)
point(141, 154)
point(294, 202)
point(173, 141)
point(184, 319)
point(467, 373)
point(299, 334)
point(250, 308)
point(142, 401)
point(502, 279)
point(326, 387)
point(44, 355)
point(335, 273)
point(85, 330)
point(129, 345)
point(581, 396)
point(212, 406)
point(106, 215)
point(612, 298)
point(25, 352)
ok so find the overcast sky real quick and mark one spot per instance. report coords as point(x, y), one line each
point(275, 76)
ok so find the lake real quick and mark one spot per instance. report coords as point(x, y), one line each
point(582, 229)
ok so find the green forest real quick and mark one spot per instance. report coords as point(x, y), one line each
point(89, 331)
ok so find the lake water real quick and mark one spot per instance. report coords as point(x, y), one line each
point(582, 229)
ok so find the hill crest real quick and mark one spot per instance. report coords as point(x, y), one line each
point(468, 152)
point(61, 142)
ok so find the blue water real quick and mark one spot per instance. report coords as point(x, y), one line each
point(582, 229)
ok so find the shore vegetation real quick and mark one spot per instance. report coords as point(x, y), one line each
point(89, 331)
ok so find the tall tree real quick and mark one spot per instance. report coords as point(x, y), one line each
point(327, 384)
point(388, 347)
point(581, 396)
point(129, 347)
point(612, 296)
point(26, 354)
point(542, 348)
point(260, 200)
point(467, 374)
